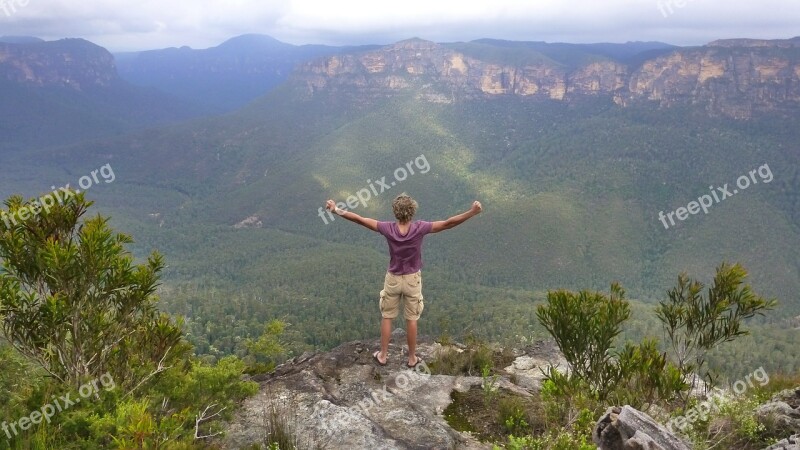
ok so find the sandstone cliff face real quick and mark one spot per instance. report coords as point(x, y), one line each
point(736, 81)
point(398, 66)
point(734, 78)
point(72, 63)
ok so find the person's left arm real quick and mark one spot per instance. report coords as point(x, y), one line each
point(372, 224)
point(441, 225)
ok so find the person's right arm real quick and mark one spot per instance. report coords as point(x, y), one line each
point(441, 225)
point(372, 224)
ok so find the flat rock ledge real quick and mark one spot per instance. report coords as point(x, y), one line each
point(343, 399)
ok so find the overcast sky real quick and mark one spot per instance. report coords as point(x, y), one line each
point(147, 24)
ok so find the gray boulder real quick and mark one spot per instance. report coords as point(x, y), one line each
point(627, 428)
point(529, 368)
point(783, 411)
point(791, 443)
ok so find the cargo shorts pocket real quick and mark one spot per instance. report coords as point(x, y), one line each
point(414, 280)
point(391, 280)
point(388, 304)
point(413, 308)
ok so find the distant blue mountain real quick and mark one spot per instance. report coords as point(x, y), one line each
point(223, 77)
point(20, 39)
point(628, 52)
point(64, 91)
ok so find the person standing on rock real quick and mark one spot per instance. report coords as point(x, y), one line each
point(403, 280)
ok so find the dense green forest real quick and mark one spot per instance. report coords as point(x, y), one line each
point(571, 195)
point(574, 190)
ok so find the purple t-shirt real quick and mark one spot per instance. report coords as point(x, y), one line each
point(405, 250)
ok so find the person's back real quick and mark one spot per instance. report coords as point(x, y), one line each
point(405, 249)
point(403, 279)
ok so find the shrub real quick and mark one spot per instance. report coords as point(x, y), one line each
point(584, 325)
point(511, 413)
point(695, 324)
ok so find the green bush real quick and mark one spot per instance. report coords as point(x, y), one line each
point(646, 376)
point(584, 325)
point(512, 414)
point(695, 324)
point(561, 439)
point(78, 311)
point(733, 423)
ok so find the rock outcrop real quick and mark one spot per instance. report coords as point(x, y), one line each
point(527, 369)
point(782, 411)
point(735, 78)
point(73, 63)
point(791, 443)
point(344, 399)
point(627, 428)
point(250, 222)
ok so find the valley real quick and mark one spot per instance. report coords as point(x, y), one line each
point(572, 181)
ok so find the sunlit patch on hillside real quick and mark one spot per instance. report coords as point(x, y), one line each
point(458, 160)
point(323, 182)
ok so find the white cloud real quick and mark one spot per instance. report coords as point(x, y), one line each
point(127, 25)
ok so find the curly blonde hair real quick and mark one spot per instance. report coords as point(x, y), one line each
point(404, 207)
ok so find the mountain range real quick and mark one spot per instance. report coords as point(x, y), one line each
point(733, 78)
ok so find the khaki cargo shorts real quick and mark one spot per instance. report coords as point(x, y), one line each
point(409, 287)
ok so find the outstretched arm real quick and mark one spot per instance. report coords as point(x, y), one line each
point(372, 224)
point(454, 221)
